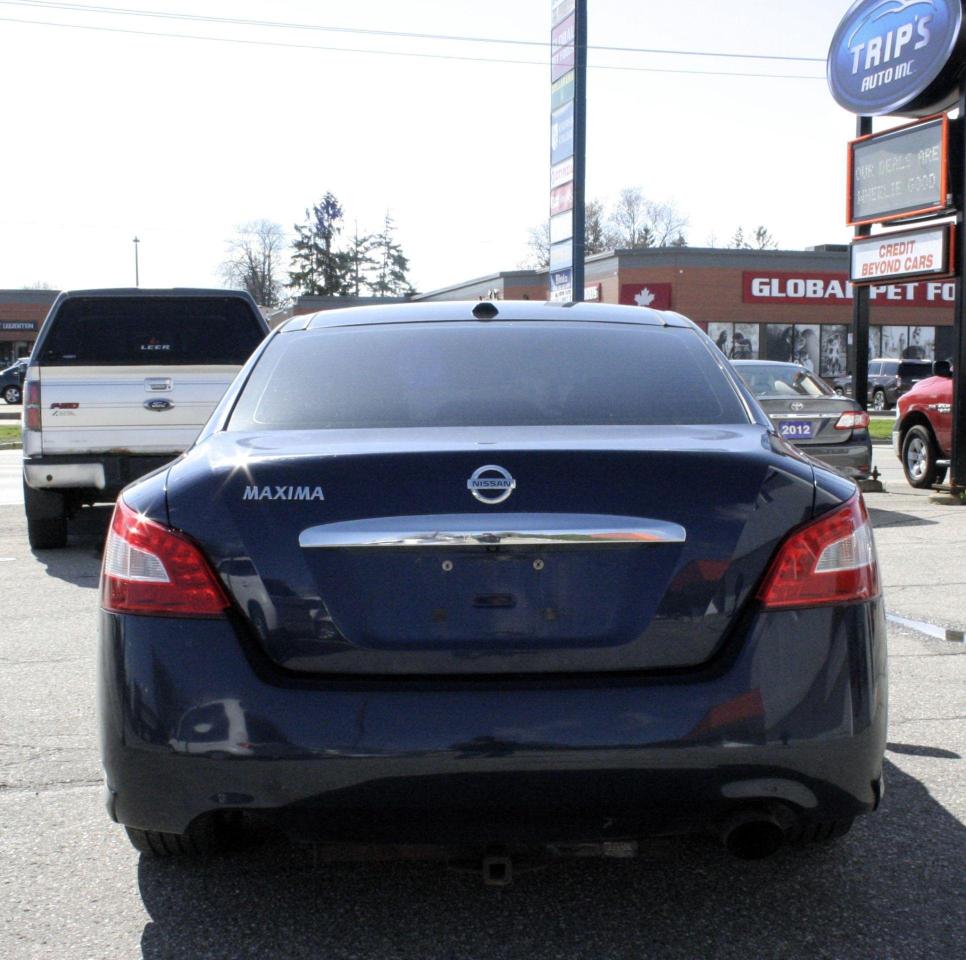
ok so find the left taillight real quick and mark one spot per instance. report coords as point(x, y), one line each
point(151, 569)
point(31, 407)
point(853, 420)
point(831, 560)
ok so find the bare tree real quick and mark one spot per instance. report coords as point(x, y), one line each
point(630, 221)
point(596, 236)
point(638, 222)
point(254, 261)
point(667, 224)
point(538, 244)
point(761, 239)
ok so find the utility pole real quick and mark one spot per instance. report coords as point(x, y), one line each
point(137, 272)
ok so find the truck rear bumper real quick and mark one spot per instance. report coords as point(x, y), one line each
point(105, 474)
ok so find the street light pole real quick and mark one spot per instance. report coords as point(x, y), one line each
point(137, 274)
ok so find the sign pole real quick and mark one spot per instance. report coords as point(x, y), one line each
point(957, 478)
point(860, 308)
point(580, 145)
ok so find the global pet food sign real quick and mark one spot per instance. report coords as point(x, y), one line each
point(826, 289)
point(897, 57)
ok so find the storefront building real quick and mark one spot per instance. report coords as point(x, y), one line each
point(771, 304)
point(21, 314)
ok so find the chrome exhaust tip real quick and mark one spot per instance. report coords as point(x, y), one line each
point(752, 835)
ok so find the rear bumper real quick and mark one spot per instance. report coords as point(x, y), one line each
point(106, 473)
point(794, 714)
point(853, 459)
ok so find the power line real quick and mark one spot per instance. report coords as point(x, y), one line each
point(285, 25)
point(389, 53)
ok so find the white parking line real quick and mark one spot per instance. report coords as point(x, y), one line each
point(929, 629)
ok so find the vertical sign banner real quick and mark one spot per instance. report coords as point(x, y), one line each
point(568, 30)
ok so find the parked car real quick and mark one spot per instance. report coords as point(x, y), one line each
point(888, 380)
point(808, 413)
point(923, 430)
point(119, 383)
point(575, 588)
point(11, 381)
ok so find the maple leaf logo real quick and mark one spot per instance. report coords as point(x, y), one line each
point(645, 298)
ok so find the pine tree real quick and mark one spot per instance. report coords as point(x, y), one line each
point(317, 267)
point(361, 262)
point(391, 265)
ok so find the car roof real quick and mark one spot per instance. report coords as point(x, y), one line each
point(154, 292)
point(486, 311)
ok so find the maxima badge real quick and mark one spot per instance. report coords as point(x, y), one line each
point(491, 484)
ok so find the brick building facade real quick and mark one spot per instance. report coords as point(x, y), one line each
point(21, 314)
point(774, 304)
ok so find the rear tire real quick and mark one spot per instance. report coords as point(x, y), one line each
point(919, 456)
point(46, 518)
point(879, 401)
point(11, 394)
point(204, 837)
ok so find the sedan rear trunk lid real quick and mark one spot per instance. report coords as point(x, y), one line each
point(369, 552)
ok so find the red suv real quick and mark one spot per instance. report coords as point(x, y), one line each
point(922, 435)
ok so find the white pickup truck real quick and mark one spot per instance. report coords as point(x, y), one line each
point(120, 382)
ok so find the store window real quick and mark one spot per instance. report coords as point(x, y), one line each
point(907, 343)
point(737, 341)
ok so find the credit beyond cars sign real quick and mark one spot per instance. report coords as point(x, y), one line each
point(897, 57)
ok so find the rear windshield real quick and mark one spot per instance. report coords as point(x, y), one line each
point(156, 331)
point(776, 380)
point(486, 374)
point(915, 368)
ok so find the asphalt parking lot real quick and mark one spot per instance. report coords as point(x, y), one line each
point(71, 887)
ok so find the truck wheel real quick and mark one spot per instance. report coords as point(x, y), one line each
point(919, 458)
point(879, 401)
point(46, 518)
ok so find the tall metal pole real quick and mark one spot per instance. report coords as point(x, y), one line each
point(137, 271)
point(957, 471)
point(580, 144)
point(860, 309)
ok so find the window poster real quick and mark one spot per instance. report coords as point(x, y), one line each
point(835, 338)
point(780, 342)
point(745, 342)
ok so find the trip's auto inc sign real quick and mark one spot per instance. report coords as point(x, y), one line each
point(818, 289)
point(896, 57)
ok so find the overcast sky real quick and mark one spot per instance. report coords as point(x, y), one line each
point(109, 134)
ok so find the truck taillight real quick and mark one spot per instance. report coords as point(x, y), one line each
point(831, 560)
point(154, 570)
point(853, 420)
point(31, 409)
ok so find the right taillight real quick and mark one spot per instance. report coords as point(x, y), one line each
point(853, 420)
point(832, 560)
point(151, 569)
point(31, 407)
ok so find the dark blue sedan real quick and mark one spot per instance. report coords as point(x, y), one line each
point(495, 574)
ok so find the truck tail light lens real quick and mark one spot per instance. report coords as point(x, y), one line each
point(31, 408)
point(151, 569)
point(853, 420)
point(831, 560)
